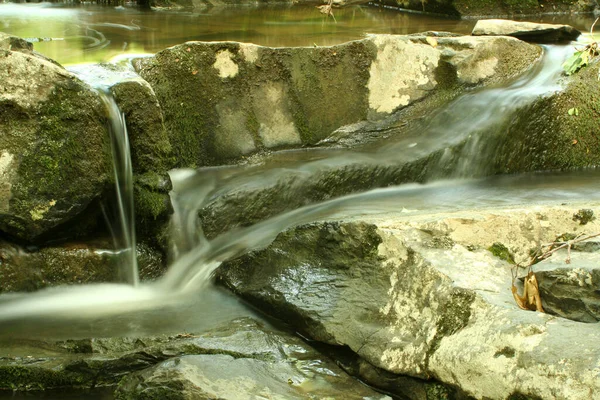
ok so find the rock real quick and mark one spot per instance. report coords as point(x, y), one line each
point(420, 295)
point(571, 291)
point(494, 8)
point(257, 359)
point(223, 101)
point(14, 43)
point(545, 136)
point(25, 270)
point(227, 377)
point(54, 146)
point(528, 31)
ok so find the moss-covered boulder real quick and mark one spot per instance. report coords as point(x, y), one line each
point(54, 145)
point(560, 131)
point(223, 101)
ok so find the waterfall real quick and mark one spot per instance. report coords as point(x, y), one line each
point(123, 226)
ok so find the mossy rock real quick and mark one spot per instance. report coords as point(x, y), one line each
point(223, 101)
point(546, 136)
point(54, 145)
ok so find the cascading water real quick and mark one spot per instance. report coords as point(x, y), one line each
point(123, 230)
point(198, 257)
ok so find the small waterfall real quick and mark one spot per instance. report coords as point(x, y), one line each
point(469, 115)
point(123, 227)
point(122, 221)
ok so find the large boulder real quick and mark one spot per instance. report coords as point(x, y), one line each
point(54, 144)
point(426, 296)
point(223, 101)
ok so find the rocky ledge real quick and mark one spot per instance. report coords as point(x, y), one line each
point(429, 296)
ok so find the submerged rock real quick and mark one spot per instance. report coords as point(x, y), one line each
point(224, 100)
point(528, 31)
point(241, 359)
point(26, 270)
point(54, 144)
point(422, 296)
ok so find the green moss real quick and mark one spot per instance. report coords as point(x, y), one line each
point(437, 391)
point(502, 252)
point(584, 216)
point(544, 136)
point(150, 146)
point(37, 378)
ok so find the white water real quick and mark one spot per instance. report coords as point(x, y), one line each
point(197, 258)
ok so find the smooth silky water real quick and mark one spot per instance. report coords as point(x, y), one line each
point(184, 299)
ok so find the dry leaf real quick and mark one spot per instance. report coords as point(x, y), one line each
point(574, 142)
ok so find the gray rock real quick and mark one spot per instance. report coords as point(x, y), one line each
point(571, 290)
point(223, 101)
point(54, 145)
point(421, 296)
point(227, 377)
point(238, 360)
point(528, 31)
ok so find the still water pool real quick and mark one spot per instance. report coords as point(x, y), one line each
point(91, 33)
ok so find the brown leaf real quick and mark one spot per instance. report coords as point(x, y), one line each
point(574, 142)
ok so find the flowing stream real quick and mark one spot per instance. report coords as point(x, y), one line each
point(112, 309)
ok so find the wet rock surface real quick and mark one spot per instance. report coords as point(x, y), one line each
point(422, 296)
point(55, 152)
point(224, 101)
point(239, 360)
point(528, 31)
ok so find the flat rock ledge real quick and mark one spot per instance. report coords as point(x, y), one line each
point(429, 296)
point(528, 31)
